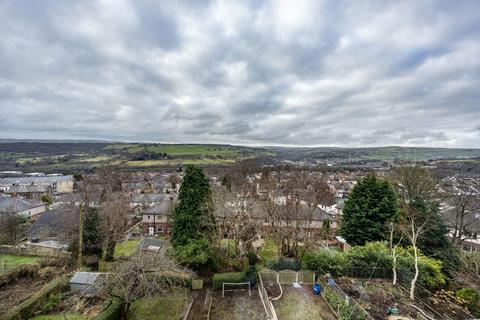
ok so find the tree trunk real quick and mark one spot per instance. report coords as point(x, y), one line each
point(460, 227)
point(80, 237)
point(414, 280)
point(126, 308)
point(394, 255)
point(110, 251)
point(455, 229)
point(394, 267)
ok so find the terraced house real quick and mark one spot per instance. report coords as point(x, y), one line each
point(157, 220)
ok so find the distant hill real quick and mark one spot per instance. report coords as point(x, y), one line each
point(74, 156)
point(375, 154)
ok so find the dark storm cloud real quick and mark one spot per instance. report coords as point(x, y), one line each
point(306, 72)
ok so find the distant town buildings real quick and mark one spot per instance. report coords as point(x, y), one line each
point(34, 186)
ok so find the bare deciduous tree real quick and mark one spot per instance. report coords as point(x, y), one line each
point(114, 220)
point(145, 275)
point(393, 250)
point(463, 199)
point(10, 227)
point(414, 184)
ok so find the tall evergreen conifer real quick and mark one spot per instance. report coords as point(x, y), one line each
point(368, 211)
point(194, 225)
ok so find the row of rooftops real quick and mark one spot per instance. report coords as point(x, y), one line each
point(35, 180)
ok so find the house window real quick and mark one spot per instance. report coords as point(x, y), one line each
point(148, 218)
point(169, 230)
point(160, 229)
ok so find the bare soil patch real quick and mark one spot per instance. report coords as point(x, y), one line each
point(237, 306)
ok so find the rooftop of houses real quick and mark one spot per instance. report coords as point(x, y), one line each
point(36, 179)
point(17, 204)
point(28, 189)
point(59, 222)
point(150, 198)
point(163, 208)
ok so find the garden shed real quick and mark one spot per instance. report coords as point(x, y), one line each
point(86, 282)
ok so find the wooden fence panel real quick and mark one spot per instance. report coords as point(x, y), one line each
point(268, 276)
point(306, 276)
point(287, 276)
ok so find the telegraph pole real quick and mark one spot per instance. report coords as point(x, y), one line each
point(80, 237)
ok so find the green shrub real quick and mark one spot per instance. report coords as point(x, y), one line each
point(231, 277)
point(251, 275)
point(112, 312)
point(283, 264)
point(252, 258)
point(430, 275)
point(52, 302)
point(371, 255)
point(324, 261)
point(173, 278)
point(471, 297)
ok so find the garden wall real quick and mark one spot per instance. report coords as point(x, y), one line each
point(35, 251)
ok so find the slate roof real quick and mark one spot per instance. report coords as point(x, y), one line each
point(28, 189)
point(87, 278)
point(61, 221)
point(149, 197)
point(35, 180)
point(151, 244)
point(17, 204)
point(163, 208)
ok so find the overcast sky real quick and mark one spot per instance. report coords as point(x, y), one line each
point(324, 73)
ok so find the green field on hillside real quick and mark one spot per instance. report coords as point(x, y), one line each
point(185, 150)
point(175, 162)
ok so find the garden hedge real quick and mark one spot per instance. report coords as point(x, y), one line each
point(112, 312)
point(231, 277)
point(375, 256)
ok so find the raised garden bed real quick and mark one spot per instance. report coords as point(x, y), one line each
point(376, 296)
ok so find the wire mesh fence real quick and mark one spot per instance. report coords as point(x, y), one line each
point(368, 273)
point(345, 306)
point(267, 304)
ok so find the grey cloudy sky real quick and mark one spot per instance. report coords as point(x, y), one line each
point(341, 73)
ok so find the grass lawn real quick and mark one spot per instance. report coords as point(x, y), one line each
point(269, 250)
point(182, 150)
point(95, 159)
point(62, 316)
point(10, 261)
point(126, 248)
point(174, 162)
point(301, 304)
point(159, 308)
